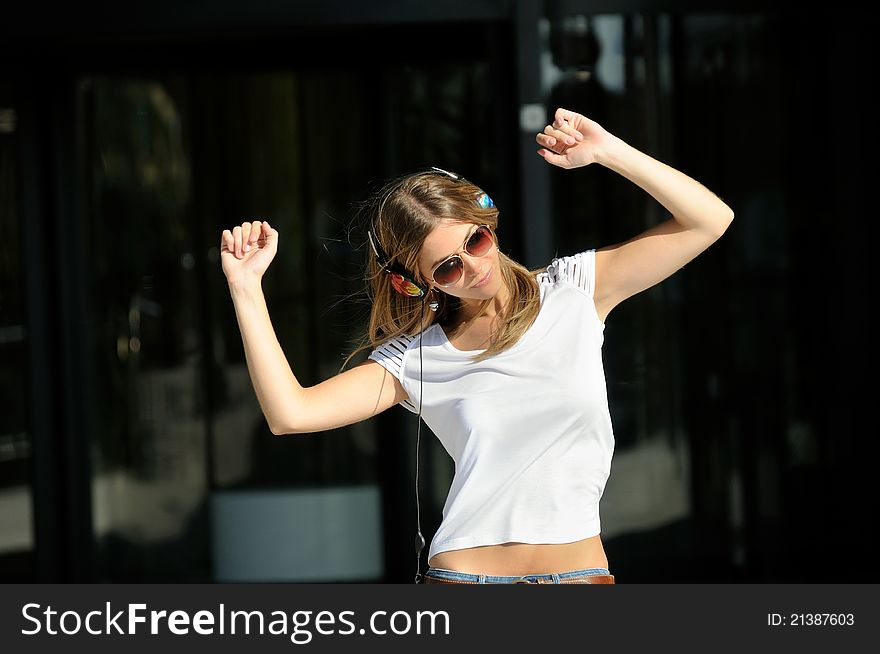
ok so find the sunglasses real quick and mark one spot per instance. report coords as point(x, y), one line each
point(450, 270)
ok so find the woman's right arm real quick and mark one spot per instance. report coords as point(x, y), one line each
point(289, 408)
point(349, 397)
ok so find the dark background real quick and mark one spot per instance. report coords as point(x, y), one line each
point(129, 430)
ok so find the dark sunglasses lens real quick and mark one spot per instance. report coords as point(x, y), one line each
point(480, 242)
point(448, 272)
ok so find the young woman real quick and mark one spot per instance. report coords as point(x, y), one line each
point(503, 363)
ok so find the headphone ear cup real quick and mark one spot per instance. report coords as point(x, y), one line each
point(404, 284)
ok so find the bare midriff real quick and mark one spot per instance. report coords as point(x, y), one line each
point(510, 559)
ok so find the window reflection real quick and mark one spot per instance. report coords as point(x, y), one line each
point(16, 506)
point(146, 421)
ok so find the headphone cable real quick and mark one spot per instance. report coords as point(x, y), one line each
point(420, 540)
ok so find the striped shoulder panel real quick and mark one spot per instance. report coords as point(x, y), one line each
point(390, 356)
point(578, 270)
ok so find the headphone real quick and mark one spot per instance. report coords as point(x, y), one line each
point(405, 283)
point(401, 279)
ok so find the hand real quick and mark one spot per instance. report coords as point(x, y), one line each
point(572, 140)
point(261, 243)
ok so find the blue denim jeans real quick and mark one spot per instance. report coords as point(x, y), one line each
point(550, 577)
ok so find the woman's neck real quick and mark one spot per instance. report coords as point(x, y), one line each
point(468, 308)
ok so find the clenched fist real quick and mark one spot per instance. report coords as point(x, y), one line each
point(572, 140)
point(247, 250)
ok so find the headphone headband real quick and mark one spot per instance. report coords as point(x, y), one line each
point(447, 173)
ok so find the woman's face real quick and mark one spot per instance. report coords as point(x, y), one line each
point(449, 238)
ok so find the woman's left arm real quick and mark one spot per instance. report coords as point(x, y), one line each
point(699, 217)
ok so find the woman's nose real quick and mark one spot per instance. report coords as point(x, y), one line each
point(474, 265)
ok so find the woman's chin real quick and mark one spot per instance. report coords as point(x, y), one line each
point(486, 292)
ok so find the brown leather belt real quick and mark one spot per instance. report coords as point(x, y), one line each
point(585, 579)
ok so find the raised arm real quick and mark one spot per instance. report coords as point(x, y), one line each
point(290, 408)
point(699, 217)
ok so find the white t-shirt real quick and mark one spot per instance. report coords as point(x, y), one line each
point(529, 429)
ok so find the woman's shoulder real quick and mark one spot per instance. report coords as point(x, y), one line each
point(575, 269)
point(399, 343)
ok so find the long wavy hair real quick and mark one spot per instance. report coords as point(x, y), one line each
point(402, 214)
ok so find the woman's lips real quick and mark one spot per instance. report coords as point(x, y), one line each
point(484, 280)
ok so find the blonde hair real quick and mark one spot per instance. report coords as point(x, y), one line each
point(401, 215)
